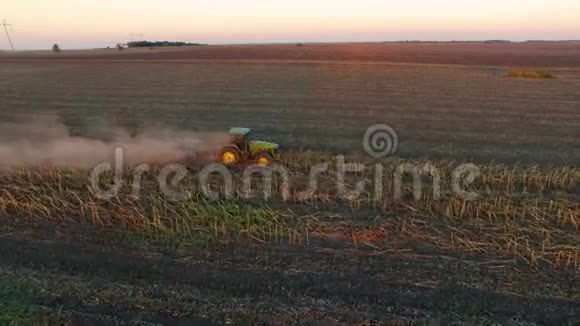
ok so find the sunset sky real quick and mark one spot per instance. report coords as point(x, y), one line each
point(98, 23)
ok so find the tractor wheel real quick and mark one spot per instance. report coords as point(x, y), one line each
point(230, 156)
point(263, 159)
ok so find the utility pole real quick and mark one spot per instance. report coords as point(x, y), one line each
point(8, 33)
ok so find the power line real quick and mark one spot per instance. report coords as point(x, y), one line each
point(8, 33)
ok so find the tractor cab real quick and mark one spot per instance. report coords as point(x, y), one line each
point(242, 149)
point(240, 137)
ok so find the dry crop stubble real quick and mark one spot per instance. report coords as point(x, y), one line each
point(530, 225)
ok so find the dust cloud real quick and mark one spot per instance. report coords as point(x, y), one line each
point(46, 142)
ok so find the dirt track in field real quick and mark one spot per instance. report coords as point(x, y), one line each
point(542, 54)
point(322, 282)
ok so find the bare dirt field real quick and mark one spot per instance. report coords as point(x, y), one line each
point(511, 257)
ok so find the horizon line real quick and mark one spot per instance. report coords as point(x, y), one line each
point(191, 43)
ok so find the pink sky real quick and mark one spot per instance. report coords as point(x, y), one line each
point(99, 23)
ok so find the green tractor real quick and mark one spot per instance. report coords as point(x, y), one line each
point(244, 150)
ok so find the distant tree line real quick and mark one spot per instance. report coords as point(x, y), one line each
point(149, 44)
point(497, 41)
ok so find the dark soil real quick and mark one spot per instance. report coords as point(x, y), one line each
point(278, 283)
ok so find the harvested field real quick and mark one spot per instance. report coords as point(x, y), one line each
point(439, 111)
point(539, 54)
point(508, 256)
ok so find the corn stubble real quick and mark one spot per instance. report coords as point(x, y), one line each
point(526, 212)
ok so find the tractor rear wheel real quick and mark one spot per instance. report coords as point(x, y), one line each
point(230, 156)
